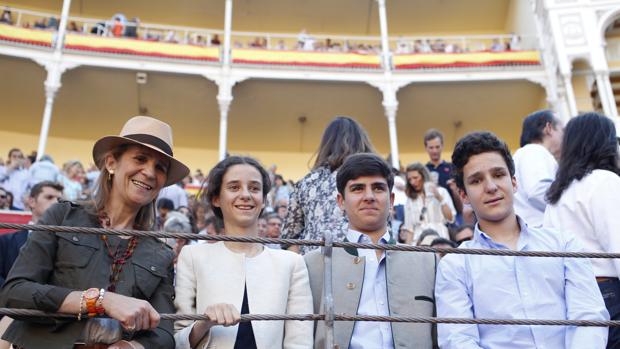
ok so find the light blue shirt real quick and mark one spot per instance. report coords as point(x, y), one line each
point(497, 287)
point(373, 300)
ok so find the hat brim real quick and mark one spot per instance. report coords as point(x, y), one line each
point(176, 171)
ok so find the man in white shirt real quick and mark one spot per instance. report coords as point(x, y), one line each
point(14, 177)
point(373, 282)
point(536, 164)
point(175, 193)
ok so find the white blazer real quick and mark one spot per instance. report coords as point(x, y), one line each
point(276, 281)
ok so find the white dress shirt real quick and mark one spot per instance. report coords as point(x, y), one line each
point(15, 181)
point(587, 209)
point(535, 169)
point(175, 193)
point(373, 300)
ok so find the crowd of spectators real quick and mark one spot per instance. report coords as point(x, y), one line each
point(121, 26)
point(426, 197)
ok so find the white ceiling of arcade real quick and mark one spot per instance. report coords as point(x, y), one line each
point(264, 114)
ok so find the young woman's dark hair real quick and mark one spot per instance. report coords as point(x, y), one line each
point(216, 176)
point(534, 124)
point(342, 137)
point(360, 165)
point(477, 143)
point(589, 144)
point(421, 169)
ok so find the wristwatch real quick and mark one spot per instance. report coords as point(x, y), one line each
point(93, 298)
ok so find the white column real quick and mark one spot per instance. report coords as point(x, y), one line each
point(224, 98)
point(227, 33)
point(606, 94)
point(570, 95)
point(52, 83)
point(62, 28)
point(390, 104)
point(562, 106)
point(612, 99)
point(390, 113)
point(385, 43)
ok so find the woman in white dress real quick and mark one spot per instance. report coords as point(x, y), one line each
point(223, 279)
point(428, 205)
point(583, 199)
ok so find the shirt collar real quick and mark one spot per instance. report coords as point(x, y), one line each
point(486, 240)
point(441, 162)
point(356, 236)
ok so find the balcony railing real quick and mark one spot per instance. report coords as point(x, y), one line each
point(123, 36)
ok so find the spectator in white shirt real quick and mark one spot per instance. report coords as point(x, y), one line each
point(582, 201)
point(43, 170)
point(175, 193)
point(428, 205)
point(14, 176)
point(536, 165)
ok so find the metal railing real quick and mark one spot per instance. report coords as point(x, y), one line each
point(328, 314)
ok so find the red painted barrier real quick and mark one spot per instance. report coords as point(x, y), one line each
point(16, 217)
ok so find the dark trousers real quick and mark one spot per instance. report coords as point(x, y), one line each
point(611, 294)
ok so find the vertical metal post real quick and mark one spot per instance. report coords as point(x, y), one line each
point(328, 291)
point(52, 83)
point(224, 98)
point(227, 33)
point(390, 111)
point(385, 44)
point(62, 29)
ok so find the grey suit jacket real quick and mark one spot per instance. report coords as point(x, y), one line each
point(410, 287)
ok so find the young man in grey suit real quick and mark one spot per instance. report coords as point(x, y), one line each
point(373, 282)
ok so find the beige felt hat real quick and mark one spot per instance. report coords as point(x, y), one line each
point(149, 132)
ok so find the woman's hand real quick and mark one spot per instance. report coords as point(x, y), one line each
point(134, 314)
point(218, 314)
point(435, 191)
point(221, 314)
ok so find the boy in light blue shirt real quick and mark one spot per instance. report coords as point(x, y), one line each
point(497, 287)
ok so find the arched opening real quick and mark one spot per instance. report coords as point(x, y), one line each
point(610, 27)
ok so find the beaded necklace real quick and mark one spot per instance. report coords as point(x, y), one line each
point(119, 257)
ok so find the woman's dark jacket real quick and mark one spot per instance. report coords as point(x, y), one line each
point(51, 265)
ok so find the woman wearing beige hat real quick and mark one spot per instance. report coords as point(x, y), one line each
point(127, 279)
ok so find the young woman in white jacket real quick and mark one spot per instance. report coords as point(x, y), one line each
point(225, 279)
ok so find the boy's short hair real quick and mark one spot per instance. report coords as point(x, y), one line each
point(477, 143)
point(361, 165)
